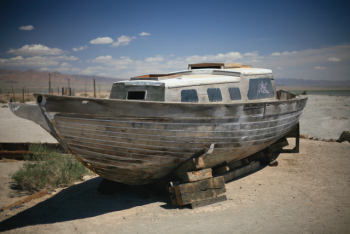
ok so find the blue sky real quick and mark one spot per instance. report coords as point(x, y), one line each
point(296, 39)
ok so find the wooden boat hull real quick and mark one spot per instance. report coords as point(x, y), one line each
point(137, 142)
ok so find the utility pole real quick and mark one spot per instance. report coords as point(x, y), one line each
point(94, 89)
point(68, 87)
point(13, 92)
point(23, 94)
point(49, 83)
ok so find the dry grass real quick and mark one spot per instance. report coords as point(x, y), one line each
point(47, 169)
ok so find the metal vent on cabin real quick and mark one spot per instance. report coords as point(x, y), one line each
point(205, 65)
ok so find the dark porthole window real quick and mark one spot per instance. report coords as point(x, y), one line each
point(214, 95)
point(235, 94)
point(136, 95)
point(260, 88)
point(189, 95)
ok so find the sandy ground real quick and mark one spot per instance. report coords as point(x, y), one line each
point(306, 193)
point(16, 129)
point(326, 116)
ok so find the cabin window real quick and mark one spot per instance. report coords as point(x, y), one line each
point(235, 94)
point(189, 95)
point(136, 95)
point(260, 88)
point(214, 94)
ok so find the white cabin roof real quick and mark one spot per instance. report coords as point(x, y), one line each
point(195, 77)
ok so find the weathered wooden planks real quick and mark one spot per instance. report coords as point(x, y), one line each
point(155, 138)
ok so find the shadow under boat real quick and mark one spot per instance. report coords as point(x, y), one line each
point(82, 201)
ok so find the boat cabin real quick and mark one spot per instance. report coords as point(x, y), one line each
point(201, 83)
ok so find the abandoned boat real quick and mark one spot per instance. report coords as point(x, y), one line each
point(153, 124)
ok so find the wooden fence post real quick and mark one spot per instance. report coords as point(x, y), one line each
point(13, 92)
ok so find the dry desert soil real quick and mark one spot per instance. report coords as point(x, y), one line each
point(307, 192)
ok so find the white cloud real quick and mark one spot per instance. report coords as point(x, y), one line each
point(36, 61)
point(91, 70)
point(44, 69)
point(123, 40)
point(319, 68)
point(61, 69)
point(75, 69)
point(67, 58)
point(102, 74)
point(275, 54)
point(295, 64)
point(30, 50)
point(28, 27)
point(158, 58)
point(79, 48)
point(229, 57)
point(144, 34)
point(333, 60)
point(64, 64)
point(288, 53)
point(102, 40)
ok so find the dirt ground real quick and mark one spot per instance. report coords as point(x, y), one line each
point(306, 193)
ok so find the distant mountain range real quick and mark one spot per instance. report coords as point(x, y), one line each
point(316, 83)
point(12, 76)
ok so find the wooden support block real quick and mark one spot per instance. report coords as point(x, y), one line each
point(256, 156)
point(193, 164)
point(255, 166)
point(197, 191)
point(234, 164)
point(233, 174)
point(273, 164)
point(208, 202)
point(279, 144)
point(221, 170)
point(197, 175)
point(245, 161)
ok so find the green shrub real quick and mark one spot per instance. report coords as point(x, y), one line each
point(47, 169)
point(4, 106)
point(2, 101)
